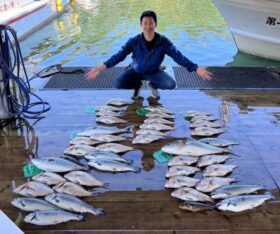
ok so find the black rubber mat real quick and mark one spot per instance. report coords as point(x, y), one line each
point(78, 81)
point(228, 78)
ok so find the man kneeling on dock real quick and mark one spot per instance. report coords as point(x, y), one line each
point(148, 50)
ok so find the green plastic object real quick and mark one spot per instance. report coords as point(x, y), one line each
point(142, 111)
point(30, 170)
point(90, 110)
point(73, 135)
point(162, 157)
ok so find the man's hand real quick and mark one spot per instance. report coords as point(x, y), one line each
point(94, 72)
point(204, 74)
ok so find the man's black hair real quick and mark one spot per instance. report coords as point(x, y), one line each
point(148, 14)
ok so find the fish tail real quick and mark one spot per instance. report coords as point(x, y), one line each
point(94, 194)
point(106, 185)
point(137, 170)
point(129, 161)
point(98, 211)
point(82, 218)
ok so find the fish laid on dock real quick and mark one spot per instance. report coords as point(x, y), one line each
point(218, 170)
point(181, 181)
point(208, 184)
point(114, 147)
point(190, 194)
point(54, 164)
point(218, 142)
point(79, 150)
point(51, 217)
point(156, 126)
point(32, 204)
point(182, 161)
point(72, 203)
point(181, 171)
point(103, 130)
point(112, 166)
point(110, 120)
point(48, 178)
point(83, 141)
point(145, 138)
point(72, 189)
point(106, 155)
point(212, 159)
point(191, 148)
point(194, 206)
point(33, 189)
point(241, 203)
point(101, 138)
point(234, 190)
point(83, 178)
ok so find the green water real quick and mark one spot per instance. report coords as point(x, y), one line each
point(90, 31)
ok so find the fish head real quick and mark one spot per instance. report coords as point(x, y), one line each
point(30, 217)
point(18, 202)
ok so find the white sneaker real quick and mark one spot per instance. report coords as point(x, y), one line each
point(155, 92)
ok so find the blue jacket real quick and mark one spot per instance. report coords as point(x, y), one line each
point(148, 62)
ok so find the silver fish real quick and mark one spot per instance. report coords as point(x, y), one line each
point(150, 131)
point(103, 130)
point(194, 206)
point(72, 189)
point(118, 102)
point(158, 109)
point(32, 204)
point(234, 190)
point(211, 159)
point(110, 120)
point(79, 150)
point(156, 126)
point(208, 184)
point(182, 161)
point(241, 203)
point(159, 115)
point(71, 203)
point(51, 217)
point(190, 194)
point(83, 141)
point(218, 142)
point(49, 178)
point(83, 178)
point(203, 118)
point(114, 147)
point(158, 120)
point(181, 181)
point(191, 148)
point(112, 166)
point(181, 171)
point(207, 124)
point(111, 108)
point(107, 138)
point(206, 131)
point(145, 139)
point(218, 170)
point(107, 155)
point(56, 164)
point(33, 189)
point(109, 113)
point(193, 113)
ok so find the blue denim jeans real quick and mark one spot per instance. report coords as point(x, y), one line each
point(133, 80)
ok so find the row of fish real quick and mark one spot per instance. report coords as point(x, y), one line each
point(207, 154)
point(157, 119)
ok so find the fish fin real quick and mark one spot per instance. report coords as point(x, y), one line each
point(106, 185)
point(98, 212)
point(137, 170)
point(94, 194)
point(234, 154)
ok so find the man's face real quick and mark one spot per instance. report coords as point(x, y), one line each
point(148, 25)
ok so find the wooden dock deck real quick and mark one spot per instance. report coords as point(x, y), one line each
point(138, 203)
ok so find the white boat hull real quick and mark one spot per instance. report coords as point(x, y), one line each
point(254, 24)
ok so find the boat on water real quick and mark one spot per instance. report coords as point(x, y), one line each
point(26, 16)
point(254, 24)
